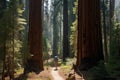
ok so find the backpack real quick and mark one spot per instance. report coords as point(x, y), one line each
point(56, 58)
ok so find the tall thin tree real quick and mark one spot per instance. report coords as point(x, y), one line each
point(65, 30)
point(55, 27)
point(111, 14)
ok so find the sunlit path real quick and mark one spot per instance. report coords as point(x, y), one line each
point(56, 75)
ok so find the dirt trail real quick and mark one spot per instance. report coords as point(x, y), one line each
point(56, 75)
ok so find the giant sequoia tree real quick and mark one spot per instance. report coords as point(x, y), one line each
point(89, 33)
point(35, 63)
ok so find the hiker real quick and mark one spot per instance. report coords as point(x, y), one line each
point(56, 62)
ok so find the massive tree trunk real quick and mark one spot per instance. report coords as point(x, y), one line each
point(65, 30)
point(35, 63)
point(89, 34)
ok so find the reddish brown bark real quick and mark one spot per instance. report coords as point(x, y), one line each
point(35, 35)
point(89, 33)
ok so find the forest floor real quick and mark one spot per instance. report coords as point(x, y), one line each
point(56, 75)
point(49, 73)
point(52, 74)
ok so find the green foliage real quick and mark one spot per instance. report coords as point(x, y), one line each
point(69, 62)
point(113, 67)
point(66, 69)
point(75, 9)
point(46, 48)
point(113, 36)
point(73, 36)
point(115, 42)
point(98, 72)
point(12, 26)
point(110, 70)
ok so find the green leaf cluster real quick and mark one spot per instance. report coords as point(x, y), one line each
point(113, 67)
point(73, 36)
point(11, 30)
point(98, 72)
